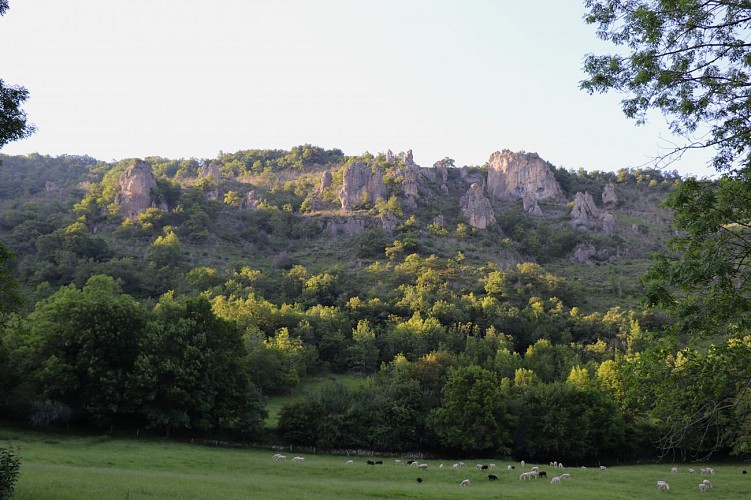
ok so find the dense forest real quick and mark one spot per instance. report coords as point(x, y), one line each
point(185, 318)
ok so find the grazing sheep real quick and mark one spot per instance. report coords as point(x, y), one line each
point(422, 466)
point(492, 466)
point(555, 480)
point(560, 465)
point(279, 457)
point(584, 467)
point(536, 469)
point(462, 464)
point(298, 459)
point(350, 461)
point(522, 462)
point(455, 466)
point(466, 482)
point(483, 467)
point(414, 464)
point(744, 472)
point(510, 467)
point(707, 483)
point(565, 476)
point(398, 462)
point(440, 466)
point(410, 462)
point(663, 485)
point(674, 470)
point(370, 462)
point(702, 487)
point(479, 466)
point(602, 467)
point(379, 462)
point(492, 477)
point(526, 475)
point(542, 473)
point(419, 479)
point(692, 471)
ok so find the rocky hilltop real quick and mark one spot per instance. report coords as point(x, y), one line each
point(512, 175)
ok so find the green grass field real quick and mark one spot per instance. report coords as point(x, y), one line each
point(57, 466)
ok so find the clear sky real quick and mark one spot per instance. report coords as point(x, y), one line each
point(190, 78)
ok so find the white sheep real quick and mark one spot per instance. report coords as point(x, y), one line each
point(522, 462)
point(707, 483)
point(565, 476)
point(422, 466)
point(555, 480)
point(560, 465)
point(462, 464)
point(525, 475)
point(702, 487)
point(350, 461)
point(440, 466)
point(536, 469)
point(279, 457)
point(455, 466)
point(492, 466)
point(663, 485)
point(398, 462)
point(602, 467)
point(692, 471)
point(674, 470)
point(466, 482)
point(298, 459)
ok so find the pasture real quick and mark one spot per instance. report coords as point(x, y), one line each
point(74, 467)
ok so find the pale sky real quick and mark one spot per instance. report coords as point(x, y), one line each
point(189, 78)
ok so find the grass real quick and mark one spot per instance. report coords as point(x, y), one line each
point(73, 467)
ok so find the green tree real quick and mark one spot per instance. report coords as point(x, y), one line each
point(472, 416)
point(687, 59)
point(82, 347)
point(564, 421)
point(191, 371)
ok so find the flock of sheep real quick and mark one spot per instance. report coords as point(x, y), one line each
point(533, 473)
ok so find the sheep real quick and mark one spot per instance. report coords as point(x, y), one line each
point(466, 482)
point(692, 471)
point(674, 470)
point(350, 461)
point(536, 469)
point(602, 467)
point(565, 476)
point(370, 462)
point(525, 475)
point(455, 466)
point(422, 466)
point(702, 487)
point(279, 457)
point(492, 477)
point(462, 464)
point(560, 465)
point(398, 462)
point(542, 473)
point(414, 464)
point(492, 466)
point(440, 466)
point(483, 467)
point(410, 462)
point(419, 479)
point(379, 462)
point(522, 463)
point(479, 466)
point(555, 480)
point(707, 483)
point(663, 485)
point(298, 459)
point(510, 467)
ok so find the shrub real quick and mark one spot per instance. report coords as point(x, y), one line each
point(10, 467)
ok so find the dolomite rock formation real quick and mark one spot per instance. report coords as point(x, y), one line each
point(585, 215)
point(511, 175)
point(211, 170)
point(250, 202)
point(529, 203)
point(133, 190)
point(349, 227)
point(326, 180)
point(609, 198)
point(360, 185)
point(442, 173)
point(476, 208)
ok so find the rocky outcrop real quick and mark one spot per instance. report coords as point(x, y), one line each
point(609, 198)
point(530, 205)
point(476, 208)
point(442, 174)
point(349, 227)
point(389, 222)
point(439, 221)
point(511, 175)
point(326, 180)
point(211, 170)
point(390, 158)
point(361, 186)
point(586, 215)
point(410, 179)
point(471, 176)
point(250, 202)
point(51, 187)
point(133, 190)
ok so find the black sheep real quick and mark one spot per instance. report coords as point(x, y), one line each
point(492, 477)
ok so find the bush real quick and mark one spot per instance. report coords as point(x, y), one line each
point(10, 467)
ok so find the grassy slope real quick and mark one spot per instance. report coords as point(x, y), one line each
point(65, 467)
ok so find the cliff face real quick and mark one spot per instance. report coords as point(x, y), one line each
point(586, 215)
point(133, 190)
point(361, 185)
point(511, 175)
point(476, 208)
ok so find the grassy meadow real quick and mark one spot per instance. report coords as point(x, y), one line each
point(58, 466)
